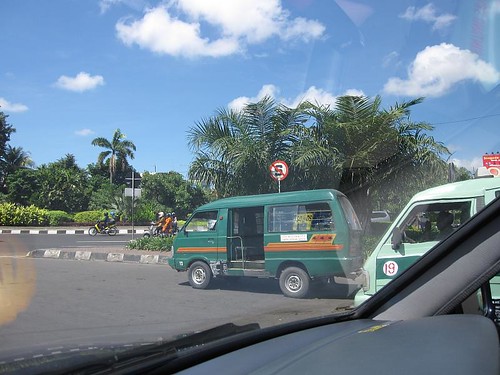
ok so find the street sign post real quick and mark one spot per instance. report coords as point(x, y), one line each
point(132, 193)
point(279, 171)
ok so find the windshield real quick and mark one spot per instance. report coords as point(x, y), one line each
point(170, 166)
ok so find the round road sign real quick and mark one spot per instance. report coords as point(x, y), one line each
point(279, 170)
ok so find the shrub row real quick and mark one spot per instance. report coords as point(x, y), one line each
point(11, 214)
point(152, 244)
point(15, 215)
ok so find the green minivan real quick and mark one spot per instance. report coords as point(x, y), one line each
point(295, 237)
point(428, 218)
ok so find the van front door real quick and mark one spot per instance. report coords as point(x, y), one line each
point(424, 225)
point(199, 238)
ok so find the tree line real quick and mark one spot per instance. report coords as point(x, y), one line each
point(64, 186)
point(377, 156)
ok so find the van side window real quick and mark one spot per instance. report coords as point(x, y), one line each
point(434, 221)
point(300, 218)
point(202, 222)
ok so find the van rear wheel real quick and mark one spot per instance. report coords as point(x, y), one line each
point(294, 282)
point(199, 275)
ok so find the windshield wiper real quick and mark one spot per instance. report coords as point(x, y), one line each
point(148, 358)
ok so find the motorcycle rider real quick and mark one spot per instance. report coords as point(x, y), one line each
point(174, 223)
point(160, 222)
point(167, 226)
point(104, 223)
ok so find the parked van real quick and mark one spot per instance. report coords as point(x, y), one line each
point(429, 217)
point(295, 237)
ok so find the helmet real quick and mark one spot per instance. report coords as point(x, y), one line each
point(161, 214)
point(112, 213)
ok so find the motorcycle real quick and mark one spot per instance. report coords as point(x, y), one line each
point(153, 231)
point(109, 229)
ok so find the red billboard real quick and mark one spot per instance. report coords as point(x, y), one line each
point(491, 160)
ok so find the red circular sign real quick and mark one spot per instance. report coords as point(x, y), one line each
point(279, 170)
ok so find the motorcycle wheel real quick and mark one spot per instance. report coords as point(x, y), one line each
point(146, 235)
point(112, 231)
point(92, 231)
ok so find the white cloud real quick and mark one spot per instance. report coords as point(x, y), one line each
point(84, 132)
point(438, 68)
point(161, 33)
point(7, 106)
point(233, 25)
point(312, 94)
point(471, 164)
point(266, 90)
point(428, 14)
point(81, 82)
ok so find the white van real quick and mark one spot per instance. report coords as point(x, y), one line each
point(429, 217)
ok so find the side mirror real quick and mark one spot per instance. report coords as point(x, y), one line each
point(397, 238)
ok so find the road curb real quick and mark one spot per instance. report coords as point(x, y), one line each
point(99, 256)
point(64, 231)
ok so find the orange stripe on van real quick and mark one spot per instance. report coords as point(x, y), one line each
point(318, 242)
point(304, 246)
point(201, 250)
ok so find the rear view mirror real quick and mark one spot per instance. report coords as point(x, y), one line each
point(397, 238)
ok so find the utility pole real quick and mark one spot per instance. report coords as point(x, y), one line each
point(132, 193)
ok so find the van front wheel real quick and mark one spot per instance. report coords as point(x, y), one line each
point(199, 275)
point(294, 282)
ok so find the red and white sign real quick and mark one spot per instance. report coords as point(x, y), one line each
point(390, 268)
point(492, 162)
point(279, 170)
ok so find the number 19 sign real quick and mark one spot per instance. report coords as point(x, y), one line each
point(279, 171)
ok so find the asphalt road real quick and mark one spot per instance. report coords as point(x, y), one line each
point(50, 302)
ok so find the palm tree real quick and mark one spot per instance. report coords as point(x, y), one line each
point(233, 149)
point(373, 148)
point(14, 158)
point(117, 151)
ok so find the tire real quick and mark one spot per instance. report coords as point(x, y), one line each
point(199, 275)
point(112, 231)
point(146, 235)
point(92, 231)
point(294, 282)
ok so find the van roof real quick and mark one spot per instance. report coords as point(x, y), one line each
point(462, 189)
point(274, 198)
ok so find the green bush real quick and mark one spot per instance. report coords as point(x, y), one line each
point(58, 217)
point(152, 244)
point(88, 216)
point(11, 214)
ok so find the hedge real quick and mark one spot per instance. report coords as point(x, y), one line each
point(11, 214)
point(152, 244)
point(56, 218)
point(86, 217)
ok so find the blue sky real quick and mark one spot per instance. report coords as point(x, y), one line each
point(73, 70)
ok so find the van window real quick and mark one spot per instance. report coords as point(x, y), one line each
point(434, 221)
point(202, 222)
point(350, 214)
point(300, 218)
